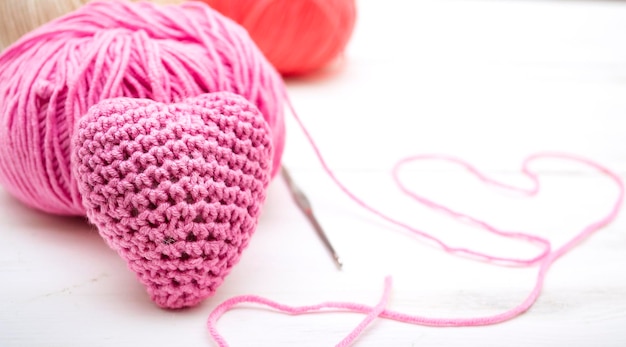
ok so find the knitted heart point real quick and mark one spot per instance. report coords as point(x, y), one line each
point(175, 189)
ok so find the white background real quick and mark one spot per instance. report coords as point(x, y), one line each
point(489, 81)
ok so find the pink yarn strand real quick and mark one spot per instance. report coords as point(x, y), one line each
point(420, 233)
point(371, 312)
point(545, 258)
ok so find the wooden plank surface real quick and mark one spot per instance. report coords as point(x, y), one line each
point(489, 81)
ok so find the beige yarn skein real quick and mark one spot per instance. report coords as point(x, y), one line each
point(18, 17)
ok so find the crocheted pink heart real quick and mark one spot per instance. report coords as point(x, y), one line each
point(175, 189)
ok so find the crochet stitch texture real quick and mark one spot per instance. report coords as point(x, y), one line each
point(175, 189)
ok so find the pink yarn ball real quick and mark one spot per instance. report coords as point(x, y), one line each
point(297, 36)
point(52, 76)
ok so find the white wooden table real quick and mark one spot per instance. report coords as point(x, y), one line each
point(490, 81)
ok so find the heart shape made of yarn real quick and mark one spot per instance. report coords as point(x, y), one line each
point(175, 189)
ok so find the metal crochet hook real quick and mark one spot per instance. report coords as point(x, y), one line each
point(305, 206)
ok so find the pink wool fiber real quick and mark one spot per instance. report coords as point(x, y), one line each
point(175, 189)
point(163, 125)
point(107, 49)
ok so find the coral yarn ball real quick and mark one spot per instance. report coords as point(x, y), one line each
point(296, 36)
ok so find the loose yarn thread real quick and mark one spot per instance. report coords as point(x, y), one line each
point(544, 259)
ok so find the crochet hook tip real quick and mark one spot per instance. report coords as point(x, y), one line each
point(305, 206)
point(338, 261)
